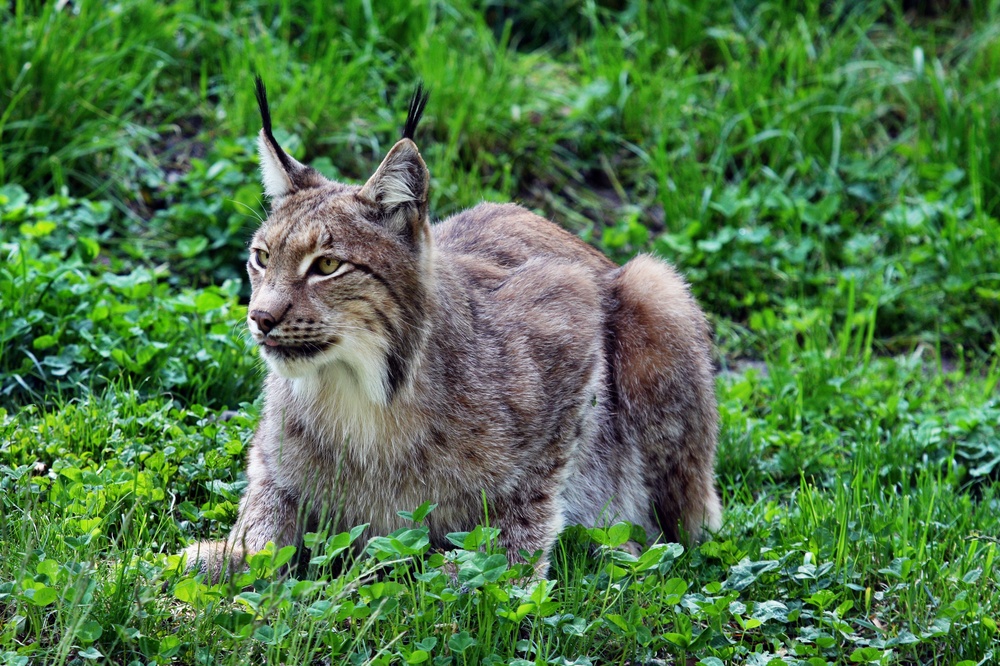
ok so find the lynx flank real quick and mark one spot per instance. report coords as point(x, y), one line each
point(492, 354)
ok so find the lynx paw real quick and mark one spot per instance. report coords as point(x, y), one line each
point(215, 559)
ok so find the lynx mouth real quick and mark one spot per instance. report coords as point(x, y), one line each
point(289, 352)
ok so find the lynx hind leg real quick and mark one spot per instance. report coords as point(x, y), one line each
point(530, 521)
point(663, 377)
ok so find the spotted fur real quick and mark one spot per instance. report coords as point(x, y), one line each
point(490, 355)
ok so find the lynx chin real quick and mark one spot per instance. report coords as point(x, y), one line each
point(491, 355)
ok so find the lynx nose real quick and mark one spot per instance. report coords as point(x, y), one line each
point(264, 319)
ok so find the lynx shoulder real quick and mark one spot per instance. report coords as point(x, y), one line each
point(492, 354)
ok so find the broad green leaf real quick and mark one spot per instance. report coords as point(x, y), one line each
point(461, 642)
point(191, 247)
point(618, 534)
point(770, 610)
point(87, 248)
point(45, 342)
point(417, 657)
point(866, 655)
point(283, 556)
point(672, 590)
point(90, 653)
point(42, 596)
point(89, 631)
point(209, 300)
point(190, 591)
point(48, 568)
point(38, 229)
point(742, 575)
point(428, 643)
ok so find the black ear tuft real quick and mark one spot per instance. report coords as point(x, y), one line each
point(417, 104)
point(265, 112)
point(265, 119)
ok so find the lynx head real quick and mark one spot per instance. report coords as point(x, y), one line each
point(340, 273)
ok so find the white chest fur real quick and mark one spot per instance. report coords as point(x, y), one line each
point(343, 454)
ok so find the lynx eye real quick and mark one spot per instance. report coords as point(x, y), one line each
point(326, 265)
point(261, 257)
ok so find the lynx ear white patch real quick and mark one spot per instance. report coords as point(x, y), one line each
point(400, 180)
point(395, 187)
point(277, 181)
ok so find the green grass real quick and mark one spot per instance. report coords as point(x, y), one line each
point(826, 178)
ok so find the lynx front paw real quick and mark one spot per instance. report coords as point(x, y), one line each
point(215, 559)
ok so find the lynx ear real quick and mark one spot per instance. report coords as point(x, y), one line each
point(281, 173)
point(399, 188)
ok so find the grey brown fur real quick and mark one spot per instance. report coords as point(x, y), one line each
point(490, 354)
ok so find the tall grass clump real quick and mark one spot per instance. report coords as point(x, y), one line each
point(78, 84)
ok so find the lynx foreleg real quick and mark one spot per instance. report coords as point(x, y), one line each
point(266, 513)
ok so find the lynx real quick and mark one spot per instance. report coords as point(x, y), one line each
point(491, 357)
